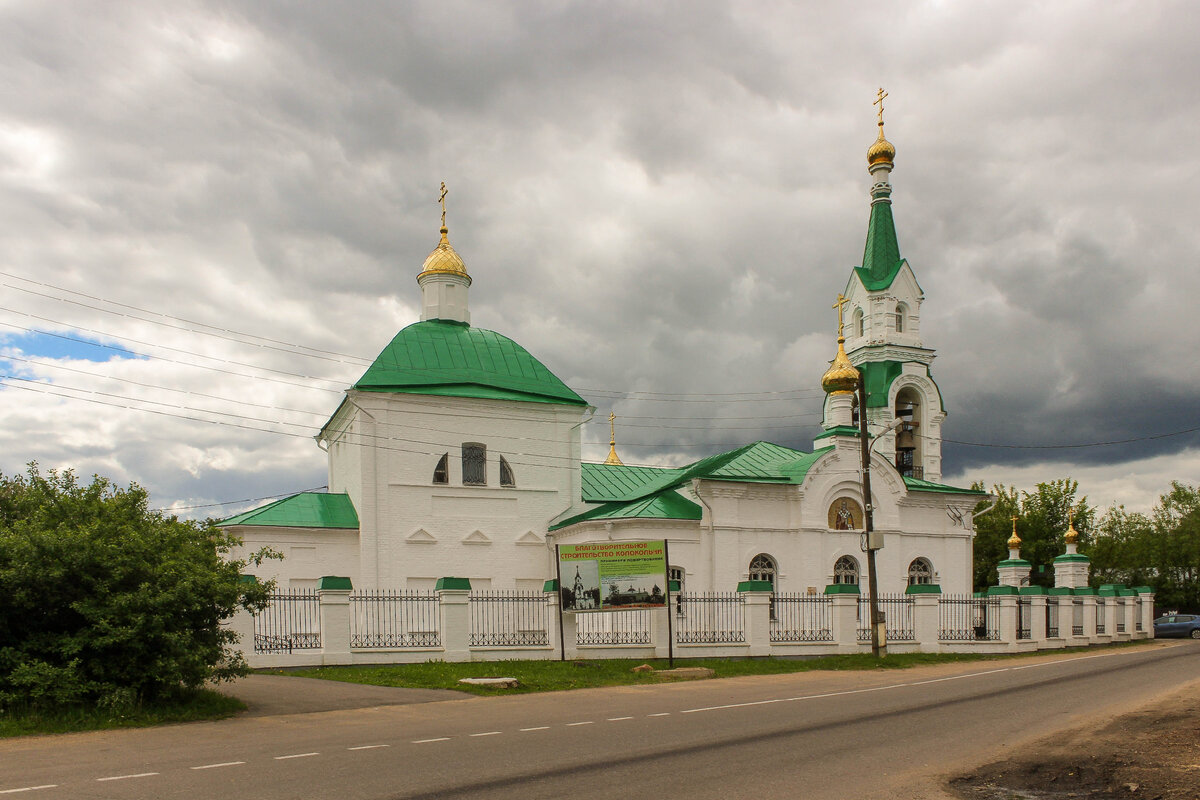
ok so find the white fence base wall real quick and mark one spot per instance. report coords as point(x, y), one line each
point(839, 634)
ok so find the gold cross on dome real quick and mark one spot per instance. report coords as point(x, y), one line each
point(1014, 521)
point(442, 200)
point(879, 102)
point(841, 301)
point(612, 431)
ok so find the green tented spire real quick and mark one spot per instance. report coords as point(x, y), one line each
point(881, 259)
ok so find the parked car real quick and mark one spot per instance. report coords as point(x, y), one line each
point(1177, 625)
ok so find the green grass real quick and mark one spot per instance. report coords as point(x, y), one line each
point(200, 704)
point(553, 676)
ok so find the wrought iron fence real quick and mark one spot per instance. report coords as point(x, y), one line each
point(1137, 614)
point(1051, 617)
point(508, 618)
point(1120, 611)
point(394, 618)
point(1101, 622)
point(631, 626)
point(1024, 618)
point(802, 618)
point(291, 622)
point(1077, 616)
point(964, 618)
point(710, 618)
point(897, 611)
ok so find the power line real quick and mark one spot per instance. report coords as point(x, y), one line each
point(235, 502)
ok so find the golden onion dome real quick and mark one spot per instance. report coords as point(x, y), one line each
point(1072, 535)
point(842, 376)
point(882, 152)
point(444, 260)
point(1014, 541)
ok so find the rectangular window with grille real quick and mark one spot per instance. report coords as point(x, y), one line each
point(474, 464)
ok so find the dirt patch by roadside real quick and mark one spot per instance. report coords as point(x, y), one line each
point(1152, 754)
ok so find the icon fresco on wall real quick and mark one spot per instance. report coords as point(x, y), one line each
point(845, 515)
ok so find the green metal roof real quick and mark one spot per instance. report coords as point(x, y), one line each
point(917, 485)
point(664, 505)
point(603, 483)
point(446, 358)
point(304, 510)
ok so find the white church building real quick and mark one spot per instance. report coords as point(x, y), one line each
point(457, 453)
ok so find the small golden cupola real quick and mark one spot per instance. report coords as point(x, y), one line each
point(1072, 535)
point(444, 280)
point(444, 259)
point(842, 376)
point(882, 151)
point(613, 459)
point(1014, 541)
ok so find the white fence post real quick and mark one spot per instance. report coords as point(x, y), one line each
point(454, 607)
point(334, 594)
point(1037, 617)
point(845, 616)
point(926, 618)
point(758, 620)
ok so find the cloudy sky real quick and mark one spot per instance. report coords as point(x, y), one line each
point(212, 215)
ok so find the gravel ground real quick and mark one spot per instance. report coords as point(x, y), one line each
point(1152, 754)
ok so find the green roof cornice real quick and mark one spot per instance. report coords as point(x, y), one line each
point(446, 358)
point(878, 376)
point(304, 510)
point(665, 505)
point(839, 430)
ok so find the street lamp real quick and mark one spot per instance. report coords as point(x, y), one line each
point(878, 625)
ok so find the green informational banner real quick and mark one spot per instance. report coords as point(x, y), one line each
point(609, 576)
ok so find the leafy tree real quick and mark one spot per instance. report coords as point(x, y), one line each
point(1161, 549)
point(1043, 517)
point(107, 602)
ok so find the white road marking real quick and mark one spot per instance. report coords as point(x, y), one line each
point(222, 764)
point(899, 685)
point(618, 719)
point(427, 741)
point(368, 746)
point(296, 755)
point(487, 733)
point(538, 728)
point(573, 724)
point(660, 714)
point(124, 777)
point(28, 788)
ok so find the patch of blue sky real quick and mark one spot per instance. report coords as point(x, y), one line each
point(75, 346)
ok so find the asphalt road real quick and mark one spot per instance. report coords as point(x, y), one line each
point(810, 735)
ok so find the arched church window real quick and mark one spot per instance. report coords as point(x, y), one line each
point(441, 473)
point(845, 570)
point(506, 473)
point(474, 464)
point(762, 568)
point(858, 323)
point(920, 572)
point(900, 311)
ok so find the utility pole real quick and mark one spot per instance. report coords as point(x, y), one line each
point(878, 626)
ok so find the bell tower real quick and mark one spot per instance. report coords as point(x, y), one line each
point(883, 342)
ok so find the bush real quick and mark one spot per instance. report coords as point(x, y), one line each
point(107, 603)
